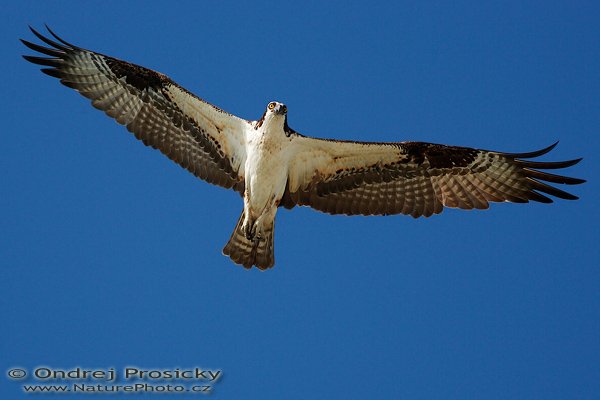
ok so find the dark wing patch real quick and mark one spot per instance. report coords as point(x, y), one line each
point(140, 99)
point(438, 156)
point(428, 177)
point(139, 77)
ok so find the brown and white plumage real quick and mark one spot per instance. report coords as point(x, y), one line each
point(417, 178)
point(200, 137)
point(271, 165)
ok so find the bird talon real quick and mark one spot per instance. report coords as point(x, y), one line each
point(249, 231)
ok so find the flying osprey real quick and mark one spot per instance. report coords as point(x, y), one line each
point(271, 165)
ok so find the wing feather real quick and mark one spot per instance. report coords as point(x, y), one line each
point(415, 178)
point(200, 137)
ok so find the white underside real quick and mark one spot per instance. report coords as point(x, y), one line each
point(266, 172)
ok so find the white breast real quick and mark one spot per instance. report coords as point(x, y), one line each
point(266, 168)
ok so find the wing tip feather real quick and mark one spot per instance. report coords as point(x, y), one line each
point(59, 38)
point(532, 154)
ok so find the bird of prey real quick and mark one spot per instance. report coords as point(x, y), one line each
point(271, 165)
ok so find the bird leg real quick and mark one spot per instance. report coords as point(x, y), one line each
point(253, 229)
point(265, 219)
point(249, 228)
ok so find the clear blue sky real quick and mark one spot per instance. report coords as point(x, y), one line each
point(111, 253)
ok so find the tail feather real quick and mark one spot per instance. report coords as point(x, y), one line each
point(248, 252)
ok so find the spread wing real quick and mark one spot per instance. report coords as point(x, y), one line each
point(200, 137)
point(340, 177)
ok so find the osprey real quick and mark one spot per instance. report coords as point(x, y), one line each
point(271, 165)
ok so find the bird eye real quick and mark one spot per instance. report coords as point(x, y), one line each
point(284, 109)
point(271, 106)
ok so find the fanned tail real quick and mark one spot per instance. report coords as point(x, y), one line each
point(248, 252)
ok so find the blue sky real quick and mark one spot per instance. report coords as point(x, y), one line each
point(111, 254)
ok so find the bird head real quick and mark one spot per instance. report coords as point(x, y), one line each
point(277, 108)
point(274, 116)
